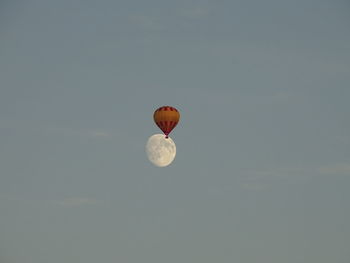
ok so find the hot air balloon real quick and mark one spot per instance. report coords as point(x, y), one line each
point(166, 118)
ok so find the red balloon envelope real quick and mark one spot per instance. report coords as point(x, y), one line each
point(166, 118)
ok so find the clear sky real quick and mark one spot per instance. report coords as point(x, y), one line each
point(262, 171)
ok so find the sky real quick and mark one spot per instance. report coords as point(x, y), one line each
point(262, 171)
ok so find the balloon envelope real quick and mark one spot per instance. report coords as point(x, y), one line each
point(166, 118)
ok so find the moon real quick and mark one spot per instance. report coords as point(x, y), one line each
point(160, 151)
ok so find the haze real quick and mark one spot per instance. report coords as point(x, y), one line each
point(262, 166)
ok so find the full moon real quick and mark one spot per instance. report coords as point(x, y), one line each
point(160, 151)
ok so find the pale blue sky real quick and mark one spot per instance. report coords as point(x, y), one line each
point(262, 171)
